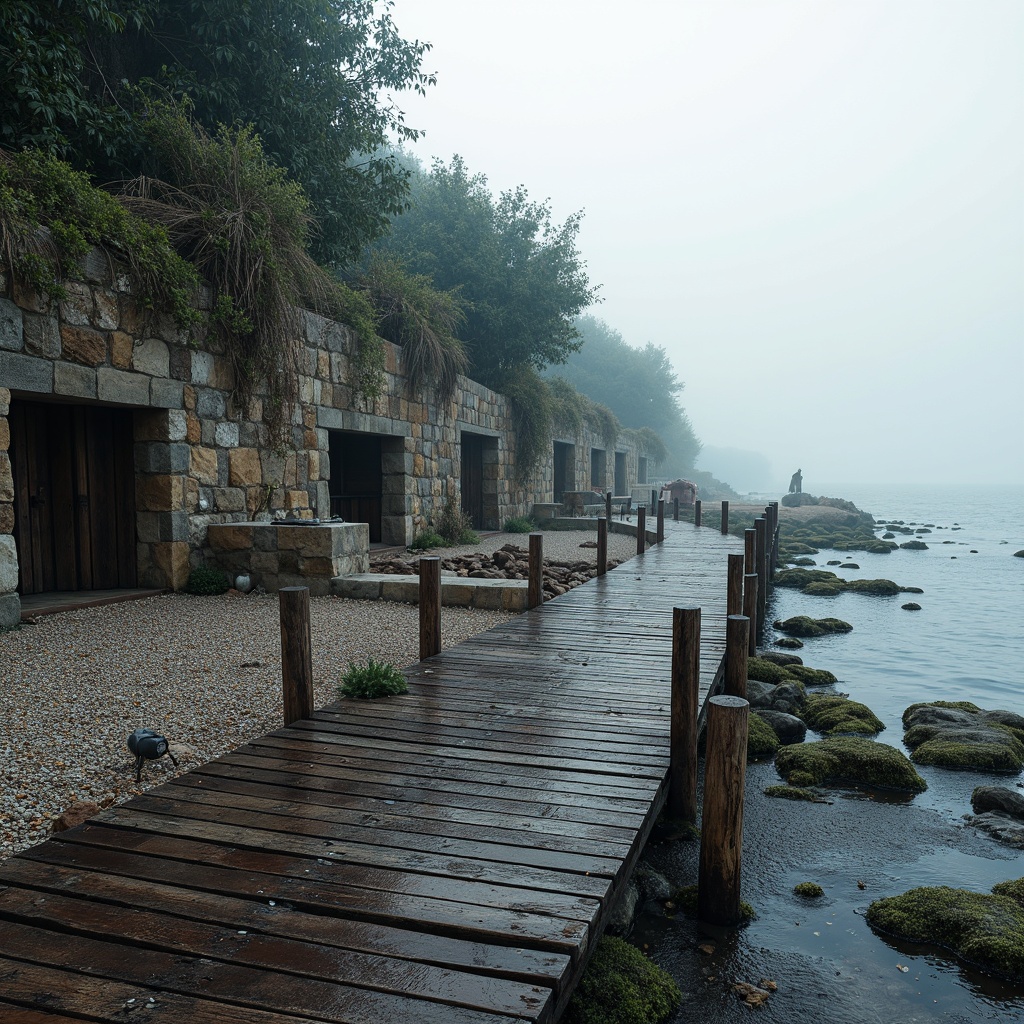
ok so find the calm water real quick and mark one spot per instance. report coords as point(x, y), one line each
point(964, 644)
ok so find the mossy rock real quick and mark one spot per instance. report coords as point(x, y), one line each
point(804, 561)
point(794, 793)
point(849, 565)
point(778, 658)
point(1014, 889)
point(789, 643)
point(848, 759)
point(765, 671)
point(799, 579)
point(811, 676)
point(622, 986)
point(911, 590)
point(962, 736)
point(686, 900)
point(1019, 554)
point(914, 545)
point(911, 606)
point(834, 561)
point(795, 547)
point(880, 588)
point(805, 626)
point(762, 743)
point(809, 890)
point(888, 536)
point(984, 930)
point(880, 547)
point(825, 589)
point(833, 715)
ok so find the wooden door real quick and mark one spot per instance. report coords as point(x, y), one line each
point(473, 479)
point(74, 497)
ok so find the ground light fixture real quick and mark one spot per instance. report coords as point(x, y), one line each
point(148, 745)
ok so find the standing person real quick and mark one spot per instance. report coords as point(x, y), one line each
point(796, 483)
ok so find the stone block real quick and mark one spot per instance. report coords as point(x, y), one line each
point(264, 562)
point(42, 336)
point(26, 297)
point(158, 457)
point(229, 499)
point(83, 345)
point(226, 435)
point(166, 394)
point(358, 589)
point(8, 564)
point(161, 493)
point(208, 433)
point(296, 499)
point(10, 610)
point(396, 530)
point(230, 536)
point(171, 558)
point(74, 381)
point(181, 363)
point(147, 525)
point(77, 308)
point(6, 478)
point(203, 465)
point(121, 387)
point(26, 373)
point(6, 517)
point(244, 467)
point(193, 428)
point(222, 374)
point(95, 267)
point(152, 356)
point(318, 567)
point(396, 463)
point(400, 588)
point(202, 367)
point(5, 401)
point(105, 316)
point(121, 350)
point(458, 595)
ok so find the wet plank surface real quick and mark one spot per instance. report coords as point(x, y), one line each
point(446, 856)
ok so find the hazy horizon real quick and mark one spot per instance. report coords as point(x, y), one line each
point(815, 208)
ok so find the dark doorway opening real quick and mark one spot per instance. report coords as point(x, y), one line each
point(620, 472)
point(74, 497)
point(565, 468)
point(641, 470)
point(357, 479)
point(472, 482)
point(598, 469)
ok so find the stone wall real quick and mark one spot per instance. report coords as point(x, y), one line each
point(201, 460)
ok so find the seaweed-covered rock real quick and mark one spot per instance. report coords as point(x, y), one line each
point(880, 547)
point(1019, 554)
point(914, 545)
point(849, 565)
point(761, 739)
point(765, 671)
point(848, 759)
point(962, 735)
point(808, 890)
point(804, 560)
point(881, 588)
point(811, 676)
point(778, 658)
point(911, 606)
point(833, 715)
point(787, 697)
point(984, 930)
point(789, 643)
point(825, 588)
point(800, 579)
point(833, 561)
point(805, 626)
point(788, 728)
point(999, 811)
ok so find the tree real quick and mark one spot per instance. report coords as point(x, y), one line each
point(521, 276)
point(314, 77)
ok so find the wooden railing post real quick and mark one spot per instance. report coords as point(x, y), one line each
point(721, 833)
point(737, 629)
point(602, 545)
point(734, 587)
point(296, 653)
point(430, 606)
point(682, 790)
point(675, 509)
point(608, 505)
point(749, 550)
point(654, 499)
point(761, 560)
point(641, 529)
point(750, 610)
point(725, 516)
point(535, 596)
point(696, 512)
point(661, 520)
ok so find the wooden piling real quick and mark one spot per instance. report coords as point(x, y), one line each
point(296, 653)
point(750, 610)
point(654, 500)
point(737, 629)
point(734, 587)
point(775, 539)
point(761, 563)
point(641, 529)
point(682, 792)
point(608, 505)
point(602, 545)
point(661, 520)
point(749, 550)
point(725, 517)
point(696, 512)
point(721, 834)
point(535, 596)
point(675, 509)
point(430, 606)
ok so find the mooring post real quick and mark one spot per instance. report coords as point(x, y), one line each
point(661, 520)
point(654, 499)
point(696, 512)
point(761, 558)
point(602, 545)
point(682, 790)
point(775, 538)
point(749, 550)
point(737, 629)
point(608, 505)
point(725, 516)
point(641, 529)
point(675, 509)
point(750, 610)
point(734, 587)
point(721, 833)
point(535, 596)
point(296, 653)
point(430, 606)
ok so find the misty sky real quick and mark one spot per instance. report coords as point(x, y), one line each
point(815, 206)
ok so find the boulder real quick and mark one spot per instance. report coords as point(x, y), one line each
point(998, 798)
point(778, 658)
point(805, 626)
point(762, 742)
point(961, 735)
point(790, 643)
point(788, 728)
point(833, 715)
point(848, 759)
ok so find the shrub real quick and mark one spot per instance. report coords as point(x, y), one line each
point(454, 524)
point(374, 679)
point(428, 539)
point(207, 580)
point(519, 524)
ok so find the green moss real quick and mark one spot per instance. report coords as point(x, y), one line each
point(207, 580)
point(1013, 889)
point(953, 705)
point(800, 579)
point(947, 753)
point(811, 676)
point(804, 625)
point(984, 930)
point(914, 545)
point(789, 643)
point(686, 900)
point(622, 986)
point(848, 759)
point(832, 714)
point(804, 561)
point(824, 589)
point(793, 793)
point(765, 671)
point(882, 588)
point(762, 743)
point(809, 890)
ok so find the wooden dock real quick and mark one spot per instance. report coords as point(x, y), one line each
point(447, 856)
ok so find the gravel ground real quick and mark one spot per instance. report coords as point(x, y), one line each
point(204, 671)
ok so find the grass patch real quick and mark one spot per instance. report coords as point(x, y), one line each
point(207, 581)
point(372, 680)
point(428, 539)
point(519, 524)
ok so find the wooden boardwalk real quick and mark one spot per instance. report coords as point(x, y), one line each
point(448, 856)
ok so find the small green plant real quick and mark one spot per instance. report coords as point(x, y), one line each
point(374, 679)
point(206, 580)
point(428, 539)
point(454, 524)
point(809, 890)
point(519, 524)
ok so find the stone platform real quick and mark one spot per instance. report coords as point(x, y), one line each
point(456, 591)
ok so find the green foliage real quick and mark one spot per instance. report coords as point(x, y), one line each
point(207, 580)
point(519, 524)
point(531, 403)
point(832, 715)
point(568, 407)
point(454, 524)
point(422, 320)
point(762, 741)
point(848, 759)
point(648, 443)
point(374, 679)
point(428, 539)
point(621, 986)
point(808, 890)
point(367, 360)
point(686, 900)
point(984, 930)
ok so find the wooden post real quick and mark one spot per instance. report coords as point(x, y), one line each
point(535, 597)
point(749, 550)
point(602, 545)
point(737, 628)
point(734, 587)
point(721, 834)
point(661, 520)
point(682, 790)
point(675, 509)
point(750, 610)
point(296, 653)
point(654, 499)
point(696, 512)
point(608, 505)
point(430, 606)
point(725, 517)
point(641, 529)
point(761, 563)
point(775, 538)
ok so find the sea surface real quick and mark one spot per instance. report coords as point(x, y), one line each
point(966, 643)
